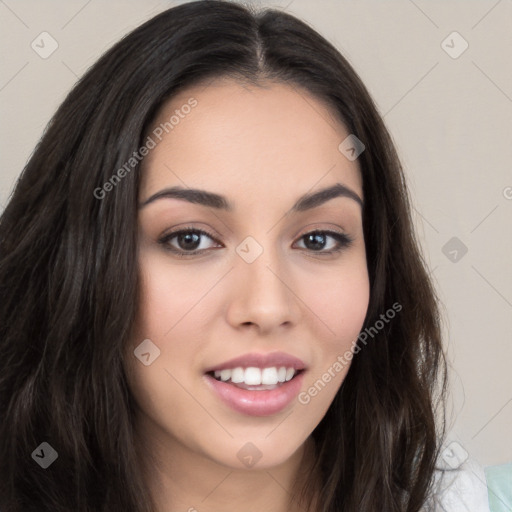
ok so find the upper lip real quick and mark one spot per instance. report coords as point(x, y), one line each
point(277, 359)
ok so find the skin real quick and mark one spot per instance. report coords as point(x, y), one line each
point(262, 148)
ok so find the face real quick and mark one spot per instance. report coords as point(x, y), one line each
point(250, 296)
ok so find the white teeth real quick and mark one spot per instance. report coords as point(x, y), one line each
point(255, 376)
point(269, 376)
point(225, 375)
point(252, 376)
point(237, 375)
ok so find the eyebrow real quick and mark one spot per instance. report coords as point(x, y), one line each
point(210, 199)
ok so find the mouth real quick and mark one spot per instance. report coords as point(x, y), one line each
point(256, 384)
point(256, 379)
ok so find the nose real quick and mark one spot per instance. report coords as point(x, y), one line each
point(263, 295)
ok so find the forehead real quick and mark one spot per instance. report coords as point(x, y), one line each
point(236, 135)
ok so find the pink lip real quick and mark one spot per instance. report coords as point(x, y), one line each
point(257, 403)
point(260, 361)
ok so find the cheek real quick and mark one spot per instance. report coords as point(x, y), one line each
point(348, 304)
point(167, 315)
point(341, 302)
point(344, 311)
point(169, 296)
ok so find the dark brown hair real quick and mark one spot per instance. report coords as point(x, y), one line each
point(69, 283)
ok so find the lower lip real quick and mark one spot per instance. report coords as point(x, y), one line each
point(257, 403)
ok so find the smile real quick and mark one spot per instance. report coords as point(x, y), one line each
point(250, 377)
point(255, 384)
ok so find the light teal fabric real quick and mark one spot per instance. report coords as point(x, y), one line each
point(499, 487)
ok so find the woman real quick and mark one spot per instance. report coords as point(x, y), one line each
point(213, 298)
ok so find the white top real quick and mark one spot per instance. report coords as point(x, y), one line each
point(460, 483)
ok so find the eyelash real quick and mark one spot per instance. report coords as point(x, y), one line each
point(344, 241)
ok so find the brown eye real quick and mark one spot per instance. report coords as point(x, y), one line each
point(317, 241)
point(187, 242)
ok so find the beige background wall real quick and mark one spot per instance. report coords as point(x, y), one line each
point(451, 118)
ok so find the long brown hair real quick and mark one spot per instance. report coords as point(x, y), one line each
point(69, 283)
